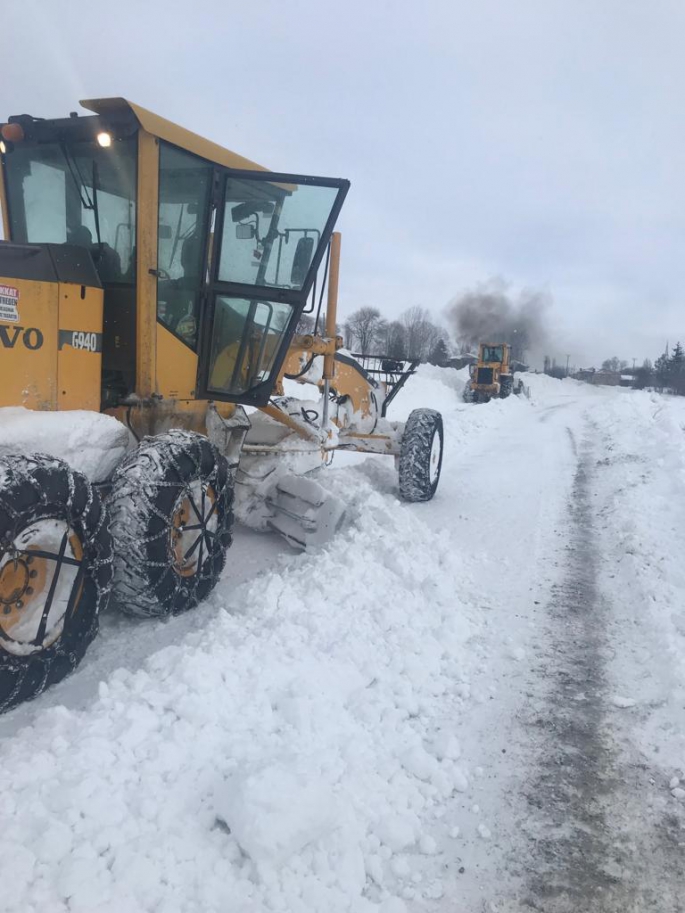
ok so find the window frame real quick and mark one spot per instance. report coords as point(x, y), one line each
point(296, 298)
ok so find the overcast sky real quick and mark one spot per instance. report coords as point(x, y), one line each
point(542, 142)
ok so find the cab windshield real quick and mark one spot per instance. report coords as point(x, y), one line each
point(77, 193)
point(492, 353)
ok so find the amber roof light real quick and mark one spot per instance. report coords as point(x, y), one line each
point(13, 133)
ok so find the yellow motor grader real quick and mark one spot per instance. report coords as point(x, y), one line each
point(154, 277)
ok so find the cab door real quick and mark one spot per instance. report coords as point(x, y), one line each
point(271, 233)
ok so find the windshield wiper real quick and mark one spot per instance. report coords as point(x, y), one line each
point(82, 189)
point(96, 211)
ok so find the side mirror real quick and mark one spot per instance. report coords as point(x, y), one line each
point(245, 231)
point(164, 232)
point(301, 261)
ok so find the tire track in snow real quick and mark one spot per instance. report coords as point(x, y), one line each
point(596, 846)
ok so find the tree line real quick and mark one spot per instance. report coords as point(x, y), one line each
point(666, 374)
point(412, 336)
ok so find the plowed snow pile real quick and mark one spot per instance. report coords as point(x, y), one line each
point(265, 763)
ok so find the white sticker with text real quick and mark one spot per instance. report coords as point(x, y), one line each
point(9, 299)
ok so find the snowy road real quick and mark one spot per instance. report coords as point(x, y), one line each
point(476, 704)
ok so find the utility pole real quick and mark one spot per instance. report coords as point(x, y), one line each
point(567, 360)
point(634, 360)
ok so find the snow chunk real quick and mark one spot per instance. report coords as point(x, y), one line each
point(623, 702)
point(445, 746)
point(428, 846)
point(419, 763)
point(275, 812)
point(397, 832)
point(89, 442)
point(392, 905)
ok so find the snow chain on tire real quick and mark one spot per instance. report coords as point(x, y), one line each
point(421, 455)
point(55, 572)
point(164, 564)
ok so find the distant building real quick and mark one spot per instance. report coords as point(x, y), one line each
point(604, 378)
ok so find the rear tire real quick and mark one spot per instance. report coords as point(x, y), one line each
point(163, 564)
point(55, 573)
point(421, 455)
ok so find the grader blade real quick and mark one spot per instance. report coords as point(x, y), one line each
point(304, 512)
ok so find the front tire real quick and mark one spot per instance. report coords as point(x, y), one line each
point(55, 573)
point(172, 521)
point(421, 455)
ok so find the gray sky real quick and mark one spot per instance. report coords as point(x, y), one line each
point(538, 140)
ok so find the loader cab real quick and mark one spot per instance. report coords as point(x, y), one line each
point(206, 259)
point(492, 354)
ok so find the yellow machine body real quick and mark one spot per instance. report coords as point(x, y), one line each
point(491, 376)
point(50, 352)
point(48, 359)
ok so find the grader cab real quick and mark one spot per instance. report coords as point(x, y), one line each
point(158, 278)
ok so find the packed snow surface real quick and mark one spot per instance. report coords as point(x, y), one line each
point(345, 730)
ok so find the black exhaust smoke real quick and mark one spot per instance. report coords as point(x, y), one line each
point(489, 314)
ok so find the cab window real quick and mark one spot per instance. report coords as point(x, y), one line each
point(492, 353)
point(184, 192)
point(77, 193)
point(246, 338)
point(271, 231)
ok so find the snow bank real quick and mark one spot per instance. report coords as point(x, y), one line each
point(279, 760)
point(90, 442)
point(430, 387)
point(542, 386)
point(641, 479)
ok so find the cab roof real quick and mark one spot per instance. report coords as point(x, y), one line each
point(172, 133)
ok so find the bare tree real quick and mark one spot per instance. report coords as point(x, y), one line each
point(422, 333)
point(364, 327)
point(305, 324)
point(396, 341)
point(613, 364)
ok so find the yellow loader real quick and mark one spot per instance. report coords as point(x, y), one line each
point(152, 281)
point(492, 377)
